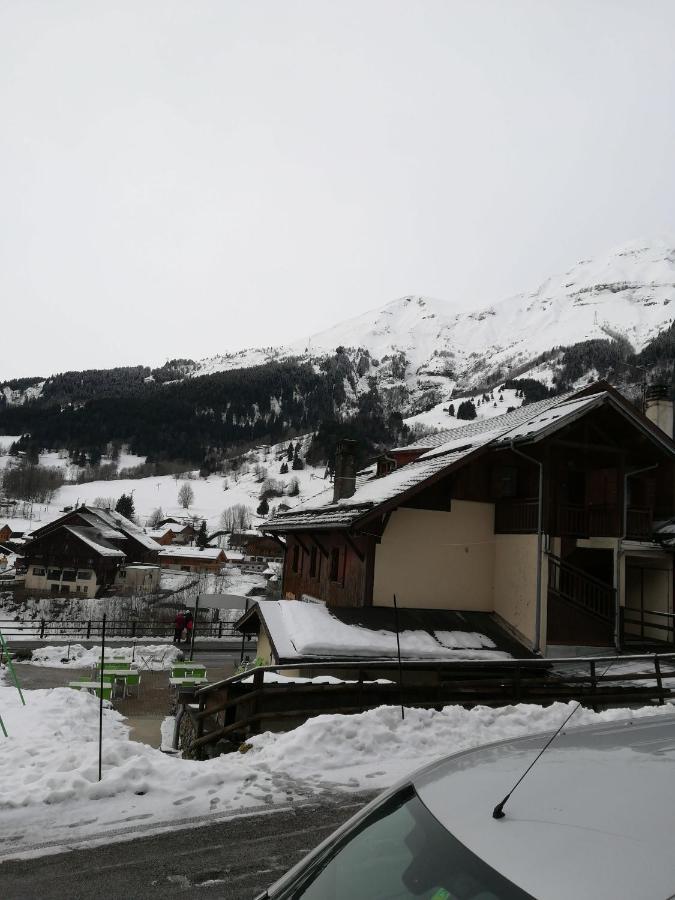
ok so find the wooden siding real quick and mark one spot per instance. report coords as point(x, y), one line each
point(354, 582)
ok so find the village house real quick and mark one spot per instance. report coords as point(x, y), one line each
point(550, 521)
point(173, 532)
point(258, 551)
point(84, 552)
point(192, 559)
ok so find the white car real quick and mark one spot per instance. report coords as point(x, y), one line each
point(594, 818)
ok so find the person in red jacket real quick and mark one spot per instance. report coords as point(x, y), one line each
point(189, 625)
point(179, 625)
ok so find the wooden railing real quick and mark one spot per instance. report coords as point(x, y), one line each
point(516, 516)
point(581, 589)
point(639, 523)
point(235, 708)
point(572, 520)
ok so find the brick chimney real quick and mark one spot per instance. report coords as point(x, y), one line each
point(659, 407)
point(344, 483)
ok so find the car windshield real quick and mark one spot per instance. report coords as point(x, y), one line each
point(400, 851)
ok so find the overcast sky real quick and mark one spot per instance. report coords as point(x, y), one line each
point(189, 178)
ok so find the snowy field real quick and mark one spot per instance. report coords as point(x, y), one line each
point(212, 495)
point(50, 796)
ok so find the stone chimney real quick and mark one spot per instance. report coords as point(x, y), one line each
point(344, 483)
point(659, 407)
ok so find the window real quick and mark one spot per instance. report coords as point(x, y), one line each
point(504, 482)
point(312, 563)
point(83, 575)
point(400, 850)
point(54, 574)
point(334, 564)
point(296, 558)
point(69, 575)
point(38, 570)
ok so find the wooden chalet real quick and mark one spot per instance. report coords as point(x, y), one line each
point(83, 552)
point(192, 559)
point(549, 518)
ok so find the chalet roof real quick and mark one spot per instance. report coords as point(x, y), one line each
point(212, 553)
point(94, 539)
point(117, 521)
point(450, 450)
point(311, 631)
point(497, 423)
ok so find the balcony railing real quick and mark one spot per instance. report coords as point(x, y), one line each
point(572, 520)
point(639, 523)
point(516, 516)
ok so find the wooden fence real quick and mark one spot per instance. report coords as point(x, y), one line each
point(233, 709)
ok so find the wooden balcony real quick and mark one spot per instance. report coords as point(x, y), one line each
point(639, 524)
point(520, 517)
point(516, 516)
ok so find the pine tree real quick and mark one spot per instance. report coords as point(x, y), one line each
point(289, 451)
point(467, 410)
point(451, 409)
point(202, 538)
point(284, 468)
point(263, 507)
point(125, 506)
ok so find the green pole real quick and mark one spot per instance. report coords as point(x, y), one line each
point(10, 665)
point(100, 705)
point(2, 725)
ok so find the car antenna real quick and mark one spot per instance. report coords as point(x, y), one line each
point(498, 811)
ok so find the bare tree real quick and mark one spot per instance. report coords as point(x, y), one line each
point(155, 517)
point(186, 495)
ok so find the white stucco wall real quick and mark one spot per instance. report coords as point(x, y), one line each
point(434, 560)
point(515, 579)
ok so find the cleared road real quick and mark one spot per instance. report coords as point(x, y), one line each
point(235, 859)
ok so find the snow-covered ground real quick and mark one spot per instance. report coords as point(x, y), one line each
point(212, 495)
point(75, 656)
point(438, 416)
point(49, 788)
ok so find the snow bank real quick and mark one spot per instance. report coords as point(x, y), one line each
point(313, 631)
point(49, 763)
point(79, 657)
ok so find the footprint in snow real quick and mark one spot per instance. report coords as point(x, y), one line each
point(183, 800)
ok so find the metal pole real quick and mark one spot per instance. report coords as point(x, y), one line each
point(400, 667)
point(194, 628)
point(100, 705)
point(2, 725)
point(10, 666)
point(243, 637)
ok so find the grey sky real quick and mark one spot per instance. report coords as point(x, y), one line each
point(188, 178)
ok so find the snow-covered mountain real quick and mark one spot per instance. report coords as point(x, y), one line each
point(628, 292)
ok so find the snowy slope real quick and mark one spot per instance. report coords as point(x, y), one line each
point(629, 291)
point(212, 495)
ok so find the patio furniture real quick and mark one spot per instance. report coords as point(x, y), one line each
point(188, 680)
point(93, 687)
point(188, 669)
point(125, 677)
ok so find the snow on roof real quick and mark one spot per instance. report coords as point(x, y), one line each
point(191, 552)
point(94, 539)
point(118, 521)
point(477, 427)
point(299, 629)
point(527, 424)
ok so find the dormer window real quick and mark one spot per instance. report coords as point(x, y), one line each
point(385, 465)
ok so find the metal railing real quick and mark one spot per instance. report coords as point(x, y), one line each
point(651, 620)
point(91, 629)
